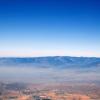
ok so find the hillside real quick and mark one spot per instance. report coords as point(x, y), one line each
point(56, 62)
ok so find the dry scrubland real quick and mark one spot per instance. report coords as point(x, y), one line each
point(51, 92)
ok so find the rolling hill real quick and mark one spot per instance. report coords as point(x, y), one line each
point(55, 62)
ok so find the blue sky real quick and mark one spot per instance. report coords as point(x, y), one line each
point(49, 28)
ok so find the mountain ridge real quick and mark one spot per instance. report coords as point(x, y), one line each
point(51, 61)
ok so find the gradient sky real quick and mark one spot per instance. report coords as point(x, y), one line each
point(50, 28)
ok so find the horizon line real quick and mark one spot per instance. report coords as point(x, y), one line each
point(47, 56)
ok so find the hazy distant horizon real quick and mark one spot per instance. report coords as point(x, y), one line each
point(50, 69)
point(48, 56)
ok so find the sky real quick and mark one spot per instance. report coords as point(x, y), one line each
point(31, 28)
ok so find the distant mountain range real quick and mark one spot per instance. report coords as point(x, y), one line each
point(56, 62)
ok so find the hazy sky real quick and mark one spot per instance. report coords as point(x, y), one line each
point(49, 27)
